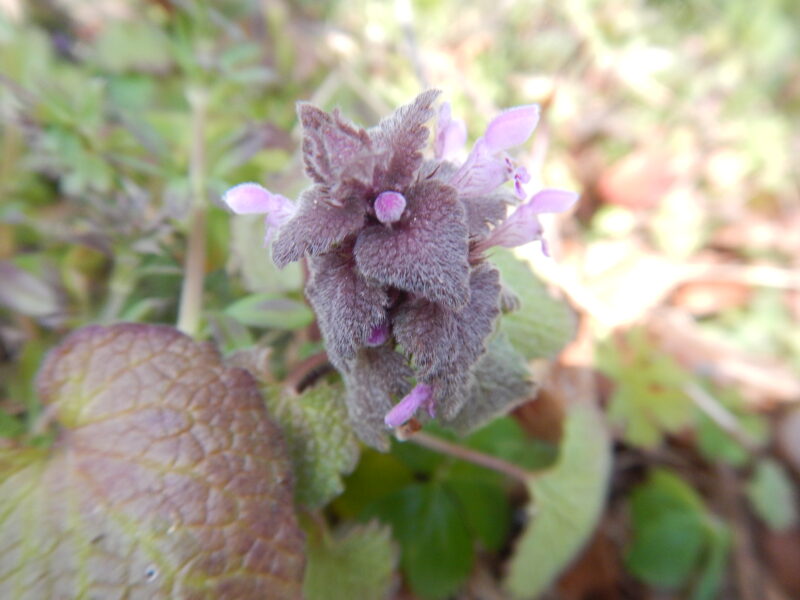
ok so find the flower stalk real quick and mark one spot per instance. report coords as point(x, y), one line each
point(191, 302)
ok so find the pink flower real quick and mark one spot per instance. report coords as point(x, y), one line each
point(251, 198)
point(419, 397)
point(523, 225)
point(487, 166)
point(451, 134)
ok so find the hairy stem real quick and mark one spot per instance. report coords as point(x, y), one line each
point(191, 303)
point(479, 458)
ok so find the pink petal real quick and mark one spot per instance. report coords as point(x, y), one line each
point(379, 334)
point(552, 201)
point(389, 206)
point(405, 409)
point(481, 173)
point(248, 199)
point(511, 127)
point(451, 134)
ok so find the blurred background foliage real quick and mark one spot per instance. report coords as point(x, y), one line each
point(122, 120)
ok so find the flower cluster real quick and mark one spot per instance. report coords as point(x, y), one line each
point(396, 244)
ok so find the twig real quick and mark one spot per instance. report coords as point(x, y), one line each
point(307, 371)
point(468, 454)
point(191, 303)
point(715, 411)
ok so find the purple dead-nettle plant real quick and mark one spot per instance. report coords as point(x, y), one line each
point(396, 247)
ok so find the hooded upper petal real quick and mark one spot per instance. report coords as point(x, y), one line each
point(451, 134)
point(511, 127)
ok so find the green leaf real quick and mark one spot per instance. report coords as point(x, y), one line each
point(502, 380)
point(648, 398)
point(167, 478)
point(271, 311)
point(378, 474)
point(716, 444)
point(543, 325)
point(566, 503)
point(437, 551)
point(357, 563)
point(322, 445)
point(485, 509)
point(254, 262)
point(773, 496)
point(10, 426)
point(675, 539)
point(506, 439)
point(27, 294)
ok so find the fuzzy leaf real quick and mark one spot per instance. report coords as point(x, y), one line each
point(444, 343)
point(167, 478)
point(501, 381)
point(346, 304)
point(357, 564)
point(399, 138)
point(322, 446)
point(543, 325)
point(372, 378)
point(317, 226)
point(566, 502)
point(330, 143)
point(425, 252)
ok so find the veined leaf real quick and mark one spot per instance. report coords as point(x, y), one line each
point(321, 442)
point(357, 563)
point(166, 480)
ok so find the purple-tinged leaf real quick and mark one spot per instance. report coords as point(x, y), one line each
point(423, 253)
point(500, 381)
point(373, 377)
point(167, 479)
point(486, 210)
point(330, 144)
point(399, 139)
point(443, 343)
point(317, 226)
point(348, 307)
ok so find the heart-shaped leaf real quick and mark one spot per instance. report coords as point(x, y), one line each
point(567, 501)
point(166, 479)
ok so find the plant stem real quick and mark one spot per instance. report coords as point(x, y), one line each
point(191, 303)
point(479, 458)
